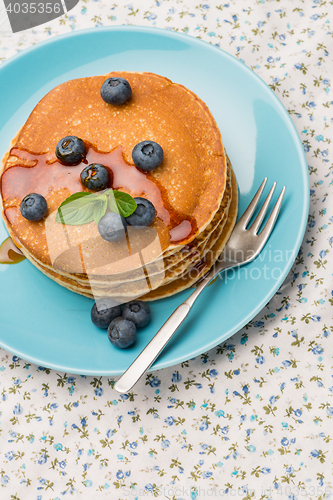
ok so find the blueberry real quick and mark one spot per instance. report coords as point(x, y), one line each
point(33, 207)
point(143, 215)
point(147, 155)
point(112, 226)
point(95, 177)
point(103, 312)
point(70, 150)
point(138, 312)
point(121, 332)
point(116, 90)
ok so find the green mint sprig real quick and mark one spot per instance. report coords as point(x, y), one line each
point(82, 208)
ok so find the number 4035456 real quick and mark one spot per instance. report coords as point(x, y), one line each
point(34, 8)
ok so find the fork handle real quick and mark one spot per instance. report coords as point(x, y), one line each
point(148, 355)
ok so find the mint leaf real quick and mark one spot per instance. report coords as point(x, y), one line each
point(126, 205)
point(79, 208)
point(77, 196)
point(100, 209)
point(82, 208)
point(113, 204)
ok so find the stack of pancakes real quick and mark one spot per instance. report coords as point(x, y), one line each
point(196, 183)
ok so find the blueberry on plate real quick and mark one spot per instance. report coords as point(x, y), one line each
point(116, 90)
point(147, 155)
point(121, 332)
point(70, 150)
point(33, 207)
point(138, 312)
point(144, 213)
point(112, 226)
point(103, 312)
point(95, 177)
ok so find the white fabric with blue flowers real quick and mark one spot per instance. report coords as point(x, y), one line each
point(251, 418)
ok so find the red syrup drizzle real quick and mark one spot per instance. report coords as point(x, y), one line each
point(46, 175)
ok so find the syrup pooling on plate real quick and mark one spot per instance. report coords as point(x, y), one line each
point(9, 253)
point(44, 174)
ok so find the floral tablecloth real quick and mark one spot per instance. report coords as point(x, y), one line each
point(251, 418)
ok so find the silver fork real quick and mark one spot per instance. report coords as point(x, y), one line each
point(243, 246)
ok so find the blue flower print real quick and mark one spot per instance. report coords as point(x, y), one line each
point(18, 410)
point(42, 459)
point(317, 350)
point(119, 474)
point(169, 420)
point(265, 470)
point(165, 443)
point(176, 377)
point(329, 411)
point(155, 382)
point(203, 426)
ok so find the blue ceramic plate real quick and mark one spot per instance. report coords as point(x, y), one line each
point(49, 325)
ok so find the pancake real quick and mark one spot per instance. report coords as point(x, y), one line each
point(125, 292)
point(191, 190)
point(174, 264)
point(191, 178)
point(189, 279)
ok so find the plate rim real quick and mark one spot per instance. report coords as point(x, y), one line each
point(160, 364)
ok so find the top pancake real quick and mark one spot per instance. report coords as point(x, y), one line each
point(191, 178)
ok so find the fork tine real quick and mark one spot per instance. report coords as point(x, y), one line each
point(243, 221)
point(267, 229)
point(258, 220)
